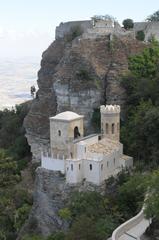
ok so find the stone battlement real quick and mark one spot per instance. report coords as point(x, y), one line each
point(110, 109)
point(94, 28)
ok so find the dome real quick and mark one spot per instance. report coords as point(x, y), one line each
point(68, 115)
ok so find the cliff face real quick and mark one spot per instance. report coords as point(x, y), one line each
point(51, 194)
point(78, 75)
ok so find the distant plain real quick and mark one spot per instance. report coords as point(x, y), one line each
point(17, 75)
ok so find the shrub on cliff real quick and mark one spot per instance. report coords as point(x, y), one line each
point(12, 134)
point(15, 202)
point(141, 130)
point(154, 17)
point(140, 35)
point(128, 23)
point(131, 195)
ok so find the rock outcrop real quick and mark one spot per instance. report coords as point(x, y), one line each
point(78, 75)
point(51, 194)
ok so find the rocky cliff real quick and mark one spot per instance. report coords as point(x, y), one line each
point(51, 194)
point(78, 75)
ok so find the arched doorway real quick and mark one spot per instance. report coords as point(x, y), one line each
point(76, 132)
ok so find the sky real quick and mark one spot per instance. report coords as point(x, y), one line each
point(27, 27)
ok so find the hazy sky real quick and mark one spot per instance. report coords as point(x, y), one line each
point(27, 26)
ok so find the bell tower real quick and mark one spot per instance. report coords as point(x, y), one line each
point(110, 121)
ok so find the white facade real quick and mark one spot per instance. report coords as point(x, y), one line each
point(92, 158)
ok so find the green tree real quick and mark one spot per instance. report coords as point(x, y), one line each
point(82, 229)
point(140, 132)
point(65, 213)
point(152, 201)
point(154, 17)
point(8, 170)
point(57, 236)
point(140, 35)
point(131, 195)
point(15, 202)
point(33, 237)
point(128, 23)
point(105, 227)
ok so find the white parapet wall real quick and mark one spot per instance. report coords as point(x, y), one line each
point(130, 224)
point(53, 164)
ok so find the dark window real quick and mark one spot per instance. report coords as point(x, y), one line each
point(90, 167)
point(113, 128)
point(101, 166)
point(102, 128)
point(114, 161)
point(71, 167)
point(76, 133)
point(79, 166)
point(107, 128)
point(99, 138)
point(71, 154)
point(59, 132)
point(107, 164)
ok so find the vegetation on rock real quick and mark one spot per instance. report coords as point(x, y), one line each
point(154, 17)
point(15, 200)
point(94, 216)
point(128, 23)
point(140, 35)
point(140, 131)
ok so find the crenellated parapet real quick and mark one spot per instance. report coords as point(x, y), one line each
point(110, 121)
point(109, 109)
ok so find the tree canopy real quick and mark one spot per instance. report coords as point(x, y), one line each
point(128, 23)
point(154, 17)
point(141, 129)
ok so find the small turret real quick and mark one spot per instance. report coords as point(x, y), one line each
point(110, 121)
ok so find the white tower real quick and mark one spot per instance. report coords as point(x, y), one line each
point(110, 121)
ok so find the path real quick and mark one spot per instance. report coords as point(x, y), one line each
point(135, 232)
point(134, 228)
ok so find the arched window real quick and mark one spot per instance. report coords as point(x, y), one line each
point(101, 166)
point(59, 133)
point(114, 161)
point(107, 128)
point(90, 167)
point(101, 127)
point(76, 132)
point(71, 167)
point(113, 128)
point(107, 164)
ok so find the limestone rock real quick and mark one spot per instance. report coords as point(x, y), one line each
point(78, 76)
point(52, 193)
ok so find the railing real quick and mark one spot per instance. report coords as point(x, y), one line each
point(53, 163)
point(125, 227)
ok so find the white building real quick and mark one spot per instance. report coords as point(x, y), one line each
point(93, 158)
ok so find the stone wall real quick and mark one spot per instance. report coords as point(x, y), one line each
point(150, 29)
point(65, 28)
